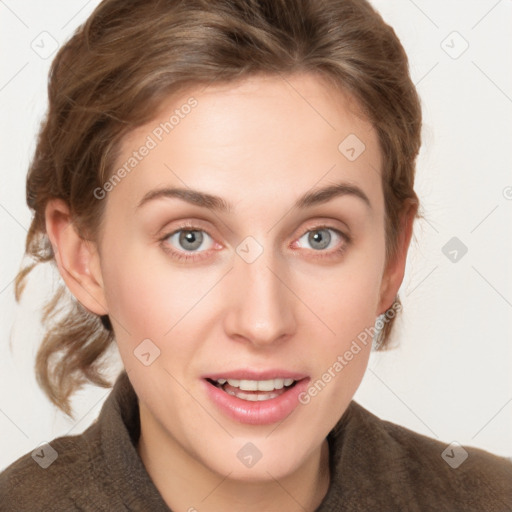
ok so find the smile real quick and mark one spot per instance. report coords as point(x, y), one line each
point(257, 401)
point(254, 390)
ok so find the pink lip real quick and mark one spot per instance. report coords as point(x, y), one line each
point(256, 413)
point(246, 374)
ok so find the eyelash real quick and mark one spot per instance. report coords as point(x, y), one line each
point(191, 255)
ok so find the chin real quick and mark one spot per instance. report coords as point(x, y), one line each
point(259, 459)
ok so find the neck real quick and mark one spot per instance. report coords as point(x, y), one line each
point(186, 484)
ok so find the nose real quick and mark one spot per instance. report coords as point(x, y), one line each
point(261, 304)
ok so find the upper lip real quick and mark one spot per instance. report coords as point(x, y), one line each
point(246, 374)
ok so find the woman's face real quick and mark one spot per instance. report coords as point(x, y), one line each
point(246, 272)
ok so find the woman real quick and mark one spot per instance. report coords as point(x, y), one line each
point(226, 189)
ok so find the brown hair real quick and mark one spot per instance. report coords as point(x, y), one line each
point(113, 74)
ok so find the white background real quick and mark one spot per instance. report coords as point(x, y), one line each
point(450, 379)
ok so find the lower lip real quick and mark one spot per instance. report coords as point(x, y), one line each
point(257, 413)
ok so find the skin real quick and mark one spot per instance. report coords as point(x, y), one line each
point(260, 144)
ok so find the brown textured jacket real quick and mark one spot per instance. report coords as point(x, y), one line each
point(375, 466)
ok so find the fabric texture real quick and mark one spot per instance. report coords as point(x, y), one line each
point(375, 465)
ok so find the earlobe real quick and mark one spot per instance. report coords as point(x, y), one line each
point(395, 270)
point(77, 259)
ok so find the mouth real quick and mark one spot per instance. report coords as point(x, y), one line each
point(254, 390)
point(256, 397)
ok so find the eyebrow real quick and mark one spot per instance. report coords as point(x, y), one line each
point(216, 203)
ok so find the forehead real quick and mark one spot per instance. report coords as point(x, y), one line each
point(264, 136)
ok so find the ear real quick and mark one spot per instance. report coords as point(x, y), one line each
point(395, 269)
point(77, 259)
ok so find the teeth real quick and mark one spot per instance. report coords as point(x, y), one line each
point(257, 385)
point(260, 397)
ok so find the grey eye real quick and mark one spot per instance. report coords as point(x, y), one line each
point(319, 238)
point(188, 240)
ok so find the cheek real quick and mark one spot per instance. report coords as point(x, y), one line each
point(151, 299)
point(135, 298)
point(347, 296)
point(347, 304)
